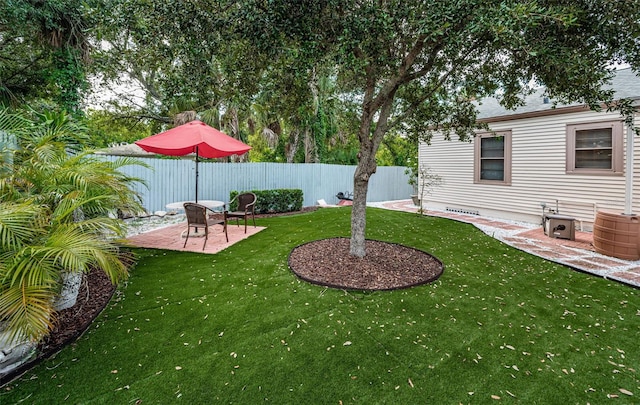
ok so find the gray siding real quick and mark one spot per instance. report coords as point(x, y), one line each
point(538, 174)
point(172, 180)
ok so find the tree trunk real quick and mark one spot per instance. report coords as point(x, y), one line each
point(309, 147)
point(369, 144)
point(71, 283)
point(366, 167)
point(292, 147)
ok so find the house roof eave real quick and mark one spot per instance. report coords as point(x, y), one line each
point(548, 112)
point(625, 84)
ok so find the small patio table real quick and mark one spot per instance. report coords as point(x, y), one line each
point(210, 204)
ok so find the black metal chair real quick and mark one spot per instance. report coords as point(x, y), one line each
point(197, 218)
point(246, 206)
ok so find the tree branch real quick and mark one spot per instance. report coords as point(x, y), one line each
point(438, 84)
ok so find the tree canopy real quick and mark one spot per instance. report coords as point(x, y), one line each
point(302, 75)
point(44, 51)
point(419, 66)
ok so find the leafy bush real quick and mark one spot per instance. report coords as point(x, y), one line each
point(55, 202)
point(270, 201)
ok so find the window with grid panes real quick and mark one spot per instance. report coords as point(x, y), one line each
point(595, 148)
point(493, 158)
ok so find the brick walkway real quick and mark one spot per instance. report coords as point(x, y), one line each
point(578, 254)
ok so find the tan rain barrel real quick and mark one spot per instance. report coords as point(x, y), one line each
point(617, 235)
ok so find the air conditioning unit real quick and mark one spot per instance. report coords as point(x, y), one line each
point(559, 226)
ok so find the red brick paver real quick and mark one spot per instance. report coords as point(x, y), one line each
point(172, 238)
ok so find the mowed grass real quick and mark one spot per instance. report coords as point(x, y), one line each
point(499, 326)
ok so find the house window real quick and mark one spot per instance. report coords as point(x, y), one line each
point(493, 158)
point(595, 148)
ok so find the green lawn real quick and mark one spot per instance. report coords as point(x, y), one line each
point(499, 326)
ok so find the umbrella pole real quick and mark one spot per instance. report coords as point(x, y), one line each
point(196, 174)
point(196, 230)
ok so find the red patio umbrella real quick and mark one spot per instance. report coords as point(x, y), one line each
point(193, 137)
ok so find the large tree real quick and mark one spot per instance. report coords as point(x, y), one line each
point(44, 50)
point(186, 57)
point(417, 66)
point(176, 54)
point(409, 66)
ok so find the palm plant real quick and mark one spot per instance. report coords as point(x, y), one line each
point(54, 219)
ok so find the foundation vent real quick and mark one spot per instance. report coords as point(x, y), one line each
point(462, 211)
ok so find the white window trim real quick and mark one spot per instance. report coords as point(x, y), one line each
point(507, 157)
point(617, 144)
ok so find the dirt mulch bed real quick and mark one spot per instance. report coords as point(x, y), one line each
point(386, 266)
point(95, 293)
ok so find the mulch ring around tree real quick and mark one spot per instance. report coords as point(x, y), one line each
point(386, 266)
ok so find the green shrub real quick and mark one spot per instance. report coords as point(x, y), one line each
point(270, 201)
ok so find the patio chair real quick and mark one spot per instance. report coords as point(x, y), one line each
point(197, 218)
point(246, 205)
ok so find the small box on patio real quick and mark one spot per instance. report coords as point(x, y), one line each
point(559, 226)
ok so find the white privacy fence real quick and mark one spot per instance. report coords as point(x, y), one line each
point(172, 180)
